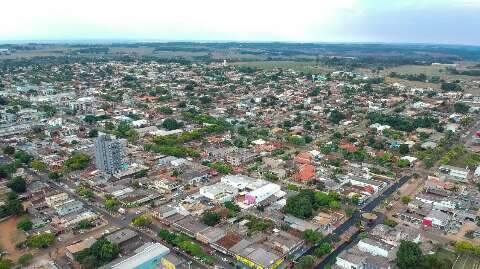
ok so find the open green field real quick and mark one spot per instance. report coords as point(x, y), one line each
point(467, 262)
point(307, 67)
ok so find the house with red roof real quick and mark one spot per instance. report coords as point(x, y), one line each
point(305, 173)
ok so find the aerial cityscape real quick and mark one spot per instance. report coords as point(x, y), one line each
point(222, 149)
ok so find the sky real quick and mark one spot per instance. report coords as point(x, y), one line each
point(391, 21)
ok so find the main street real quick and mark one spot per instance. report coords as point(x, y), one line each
point(117, 221)
point(355, 218)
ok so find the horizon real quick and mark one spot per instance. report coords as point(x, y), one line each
point(144, 41)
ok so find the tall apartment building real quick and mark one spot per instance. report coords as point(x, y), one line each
point(108, 154)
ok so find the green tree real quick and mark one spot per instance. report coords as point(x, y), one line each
point(171, 124)
point(77, 161)
point(404, 149)
point(323, 249)
point(6, 263)
point(42, 240)
point(461, 108)
point(142, 221)
point(409, 255)
point(93, 133)
point(305, 262)
point(17, 184)
point(25, 225)
point(38, 165)
point(54, 176)
point(336, 116)
point(433, 261)
point(210, 218)
point(9, 150)
point(406, 199)
point(25, 259)
point(312, 236)
point(165, 110)
point(111, 204)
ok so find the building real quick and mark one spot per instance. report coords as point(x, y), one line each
point(146, 257)
point(56, 199)
point(220, 192)
point(455, 173)
point(108, 154)
point(173, 261)
point(376, 248)
point(121, 237)
point(77, 247)
point(258, 195)
point(68, 207)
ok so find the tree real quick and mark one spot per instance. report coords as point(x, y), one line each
point(17, 184)
point(142, 221)
point(390, 222)
point(85, 224)
point(210, 218)
point(25, 225)
point(93, 133)
point(100, 253)
point(42, 240)
point(171, 124)
point(122, 130)
point(451, 87)
point(111, 204)
point(336, 116)
point(305, 262)
point(433, 261)
point(23, 157)
point(78, 161)
point(406, 199)
point(312, 236)
point(38, 165)
point(25, 259)
point(404, 149)
point(6, 264)
point(54, 176)
point(409, 255)
point(222, 167)
point(461, 108)
point(165, 110)
point(132, 136)
point(299, 206)
point(85, 192)
point(9, 150)
point(323, 249)
point(12, 206)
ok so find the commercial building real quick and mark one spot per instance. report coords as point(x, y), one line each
point(108, 154)
point(172, 261)
point(68, 207)
point(146, 257)
point(220, 192)
point(262, 193)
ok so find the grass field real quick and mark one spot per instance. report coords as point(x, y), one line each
point(467, 262)
point(308, 67)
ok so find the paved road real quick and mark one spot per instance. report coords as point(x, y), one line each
point(114, 220)
point(356, 217)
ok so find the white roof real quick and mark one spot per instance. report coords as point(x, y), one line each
point(148, 252)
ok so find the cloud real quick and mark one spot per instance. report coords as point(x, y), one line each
point(248, 20)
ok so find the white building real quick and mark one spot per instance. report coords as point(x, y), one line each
point(220, 192)
point(258, 195)
point(376, 248)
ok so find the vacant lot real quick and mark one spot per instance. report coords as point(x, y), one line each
point(10, 236)
point(467, 262)
point(307, 67)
